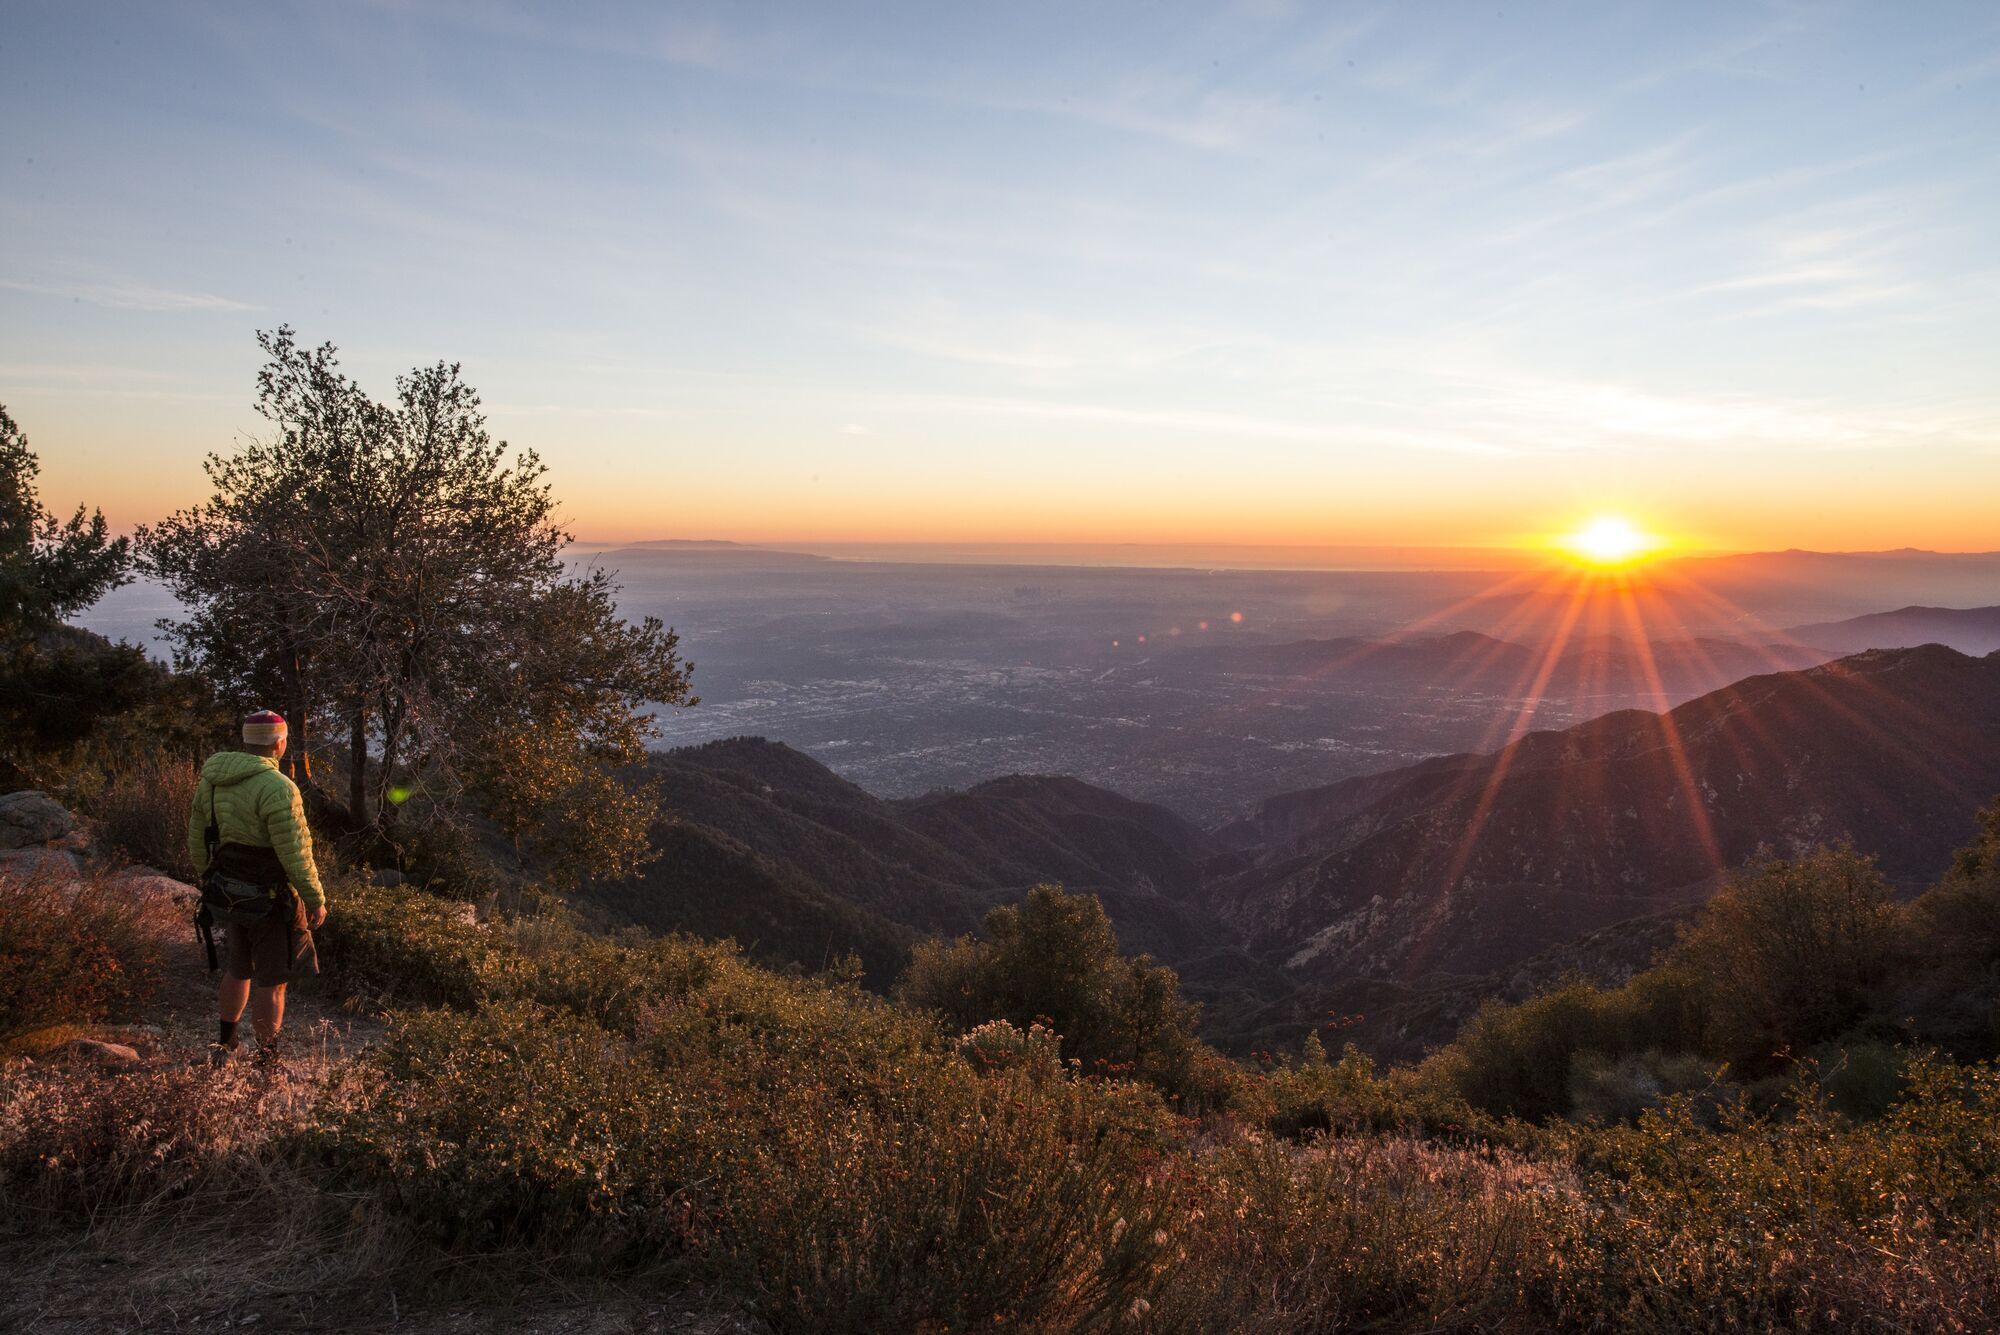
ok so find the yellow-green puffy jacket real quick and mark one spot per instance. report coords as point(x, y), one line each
point(254, 805)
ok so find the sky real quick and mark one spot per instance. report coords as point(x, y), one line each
point(1224, 273)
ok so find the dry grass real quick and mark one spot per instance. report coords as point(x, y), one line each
point(142, 810)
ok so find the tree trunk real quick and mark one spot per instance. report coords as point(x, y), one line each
point(385, 774)
point(357, 766)
point(299, 753)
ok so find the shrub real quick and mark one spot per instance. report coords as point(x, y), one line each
point(999, 1046)
point(819, 1150)
point(955, 1203)
point(142, 810)
point(409, 946)
point(1349, 1097)
point(1054, 958)
point(1806, 1221)
point(1607, 1088)
point(1376, 1233)
point(517, 1125)
point(75, 951)
point(1516, 1061)
point(1792, 953)
point(74, 1142)
point(1948, 977)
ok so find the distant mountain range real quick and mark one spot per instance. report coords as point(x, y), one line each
point(1970, 630)
point(1407, 895)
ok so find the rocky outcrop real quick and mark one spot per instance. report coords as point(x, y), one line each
point(30, 817)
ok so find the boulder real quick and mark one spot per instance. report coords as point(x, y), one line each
point(32, 817)
point(161, 890)
point(36, 862)
point(104, 1054)
point(386, 877)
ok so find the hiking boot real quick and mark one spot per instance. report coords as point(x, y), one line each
point(221, 1054)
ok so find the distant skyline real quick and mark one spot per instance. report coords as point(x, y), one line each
point(1263, 273)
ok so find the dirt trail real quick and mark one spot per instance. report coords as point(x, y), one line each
point(179, 1023)
point(185, 1010)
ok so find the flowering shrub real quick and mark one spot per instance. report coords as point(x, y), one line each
point(998, 1046)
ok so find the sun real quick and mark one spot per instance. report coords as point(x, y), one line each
point(1610, 540)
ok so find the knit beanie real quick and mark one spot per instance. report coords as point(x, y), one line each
point(263, 728)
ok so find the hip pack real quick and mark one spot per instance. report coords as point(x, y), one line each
point(243, 884)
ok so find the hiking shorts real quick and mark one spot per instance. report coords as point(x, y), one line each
point(268, 953)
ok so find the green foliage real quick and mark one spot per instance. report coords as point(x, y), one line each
point(58, 685)
point(387, 574)
point(1350, 1097)
point(1054, 958)
point(403, 946)
point(519, 1124)
point(1789, 957)
point(1522, 1060)
point(1792, 953)
point(826, 1153)
point(664, 1114)
point(49, 569)
point(1605, 1088)
point(1947, 977)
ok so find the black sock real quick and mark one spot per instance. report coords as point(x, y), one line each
point(228, 1039)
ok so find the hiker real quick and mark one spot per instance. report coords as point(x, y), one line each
point(254, 858)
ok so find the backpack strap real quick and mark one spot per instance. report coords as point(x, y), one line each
point(212, 836)
point(204, 932)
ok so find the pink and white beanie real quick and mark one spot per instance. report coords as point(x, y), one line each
point(264, 728)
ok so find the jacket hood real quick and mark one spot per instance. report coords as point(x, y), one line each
point(227, 767)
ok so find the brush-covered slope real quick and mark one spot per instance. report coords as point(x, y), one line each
point(765, 844)
point(1471, 864)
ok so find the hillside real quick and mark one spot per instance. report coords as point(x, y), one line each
point(1405, 897)
point(769, 846)
point(1970, 630)
point(1468, 865)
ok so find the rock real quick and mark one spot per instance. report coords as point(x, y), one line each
point(37, 862)
point(32, 817)
point(159, 887)
point(105, 1054)
point(387, 877)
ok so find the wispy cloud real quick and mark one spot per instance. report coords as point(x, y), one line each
point(128, 296)
point(1240, 426)
point(1565, 414)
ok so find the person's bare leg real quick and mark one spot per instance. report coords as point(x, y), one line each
point(230, 995)
point(267, 1013)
